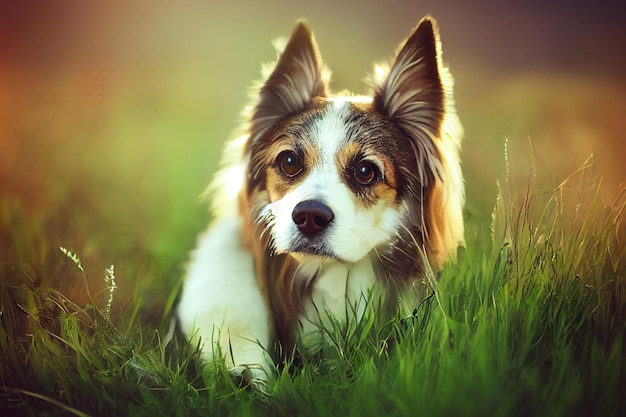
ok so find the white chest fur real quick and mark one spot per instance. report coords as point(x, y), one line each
point(340, 294)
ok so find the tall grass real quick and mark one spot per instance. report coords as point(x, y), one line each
point(530, 320)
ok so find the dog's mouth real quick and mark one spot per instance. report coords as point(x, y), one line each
point(305, 247)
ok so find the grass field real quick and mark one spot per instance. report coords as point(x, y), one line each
point(111, 123)
point(529, 321)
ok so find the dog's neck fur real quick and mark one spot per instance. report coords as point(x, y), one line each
point(341, 291)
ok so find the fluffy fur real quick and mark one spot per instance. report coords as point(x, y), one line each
point(326, 201)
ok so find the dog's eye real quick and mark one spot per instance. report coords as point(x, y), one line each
point(366, 173)
point(289, 163)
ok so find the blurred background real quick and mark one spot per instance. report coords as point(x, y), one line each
point(113, 114)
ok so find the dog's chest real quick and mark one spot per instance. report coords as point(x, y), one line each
point(340, 293)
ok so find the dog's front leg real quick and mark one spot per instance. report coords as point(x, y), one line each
point(222, 304)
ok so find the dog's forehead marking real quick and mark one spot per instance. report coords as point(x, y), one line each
point(330, 131)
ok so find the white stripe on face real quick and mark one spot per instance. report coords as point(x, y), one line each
point(330, 132)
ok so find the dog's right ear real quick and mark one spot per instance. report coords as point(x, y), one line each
point(295, 82)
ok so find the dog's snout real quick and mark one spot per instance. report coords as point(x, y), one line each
point(312, 217)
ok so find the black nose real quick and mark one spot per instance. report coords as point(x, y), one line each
point(311, 217)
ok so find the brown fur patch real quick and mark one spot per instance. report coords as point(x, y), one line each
point(385, 193)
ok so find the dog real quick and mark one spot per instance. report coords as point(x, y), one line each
point(325, 202)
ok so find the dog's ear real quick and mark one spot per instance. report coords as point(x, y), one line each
point(412, 94)
point(295, 81)
point(416, 95)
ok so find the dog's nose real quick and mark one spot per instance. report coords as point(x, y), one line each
point(311, 217)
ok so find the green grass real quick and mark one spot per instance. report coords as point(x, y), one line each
point(530, 320)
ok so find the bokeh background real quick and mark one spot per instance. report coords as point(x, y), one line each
point(113, 113)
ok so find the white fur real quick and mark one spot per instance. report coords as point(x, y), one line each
point(330, 132)
point(221, 303)
point(341, 294)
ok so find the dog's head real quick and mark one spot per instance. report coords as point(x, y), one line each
point(343, 176)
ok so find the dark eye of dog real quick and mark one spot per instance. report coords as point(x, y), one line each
point(289, 163)
point(366, 173)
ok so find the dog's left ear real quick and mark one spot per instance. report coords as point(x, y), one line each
point(295, 81)
point(412, 95)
